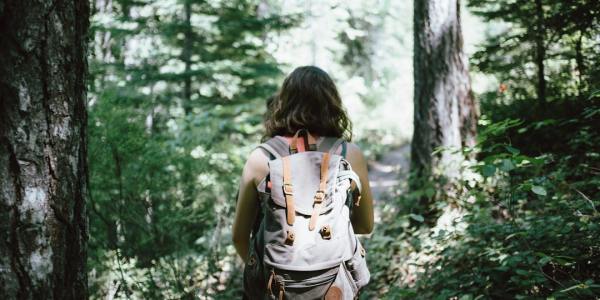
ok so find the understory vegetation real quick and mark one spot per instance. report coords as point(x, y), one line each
point(523, 221)
point(177, 93)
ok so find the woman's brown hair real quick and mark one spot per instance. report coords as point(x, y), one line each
point(308, 99)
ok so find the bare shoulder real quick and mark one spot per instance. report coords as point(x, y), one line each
point(355, 154)
point(257, 155)
point(352, 147)
point(257, 165)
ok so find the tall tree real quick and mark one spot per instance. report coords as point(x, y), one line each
point(544, 50)
point(445, 111)
point(43, 170)
point(177, 90)
point(540, 51)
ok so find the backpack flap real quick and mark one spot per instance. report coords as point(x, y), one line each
point(305, 179)
point(319, 240)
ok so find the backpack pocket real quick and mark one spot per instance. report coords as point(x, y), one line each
point(302, 284)
point(254, 276)
point(357, 266)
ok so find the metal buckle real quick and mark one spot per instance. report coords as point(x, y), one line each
point(289, 239)
point(319, 196)
point(326, 232)
point(287, 188)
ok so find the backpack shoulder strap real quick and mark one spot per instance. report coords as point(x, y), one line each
point(276, 147)
point(270, 151)
point(331, 144)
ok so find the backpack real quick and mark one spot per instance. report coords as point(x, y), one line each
point(302, 245)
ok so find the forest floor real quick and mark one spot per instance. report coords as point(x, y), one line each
point(387, 173)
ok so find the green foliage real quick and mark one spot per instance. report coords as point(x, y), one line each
point(522, 220)
point(568, 30)
point(520, 226)
point(177, 91)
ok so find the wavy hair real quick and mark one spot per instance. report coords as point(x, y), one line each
point(309, 99)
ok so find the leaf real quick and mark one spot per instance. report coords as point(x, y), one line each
point(594, 94)
point(539, 190)
point(512, 150)
point(545, 260)
point(438, 150)
point(429, 192)
point(488, 170)
point(417, 218)
point(522, 272)
point(510, 236)
point(507, 165)
point(577, 286)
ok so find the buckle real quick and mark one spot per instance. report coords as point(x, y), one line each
point(290, 236)
point(326, 232)
point(319, 196)
point(287, 188)
point(251, 260)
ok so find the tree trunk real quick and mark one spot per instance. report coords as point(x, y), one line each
point(445, 111)
point(43, 169)
point(540, 52)
point(579, 60)
point(187, 59)
point(188, 44)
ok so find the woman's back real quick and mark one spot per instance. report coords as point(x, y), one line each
point(292, 185)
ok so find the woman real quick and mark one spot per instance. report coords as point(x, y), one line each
point(308, 99)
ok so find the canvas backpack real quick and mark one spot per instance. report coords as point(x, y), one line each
point(303, 245)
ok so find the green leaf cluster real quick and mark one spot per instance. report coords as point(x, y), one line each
point(177, 93)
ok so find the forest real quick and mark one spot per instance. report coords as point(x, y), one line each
point(125, 125)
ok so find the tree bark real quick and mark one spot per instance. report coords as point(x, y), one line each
point(445, 110)
point(43, 166)
point(187, 59)
point(540, 52)
point(580, 61)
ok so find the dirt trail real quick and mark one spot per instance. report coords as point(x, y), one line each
point(386, 173)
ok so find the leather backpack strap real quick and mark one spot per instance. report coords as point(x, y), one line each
point(312, 144)
point(320, 195)
point(288, 191)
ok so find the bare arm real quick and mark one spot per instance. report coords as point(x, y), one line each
point(362, 215)
point(247, 203)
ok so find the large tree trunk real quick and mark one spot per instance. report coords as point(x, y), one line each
point(445, 111)
point(43, 170)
